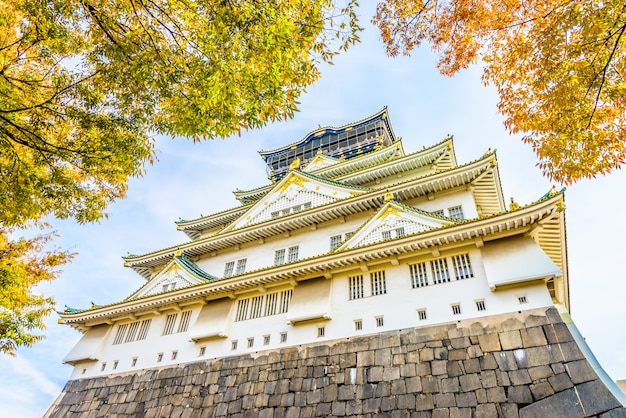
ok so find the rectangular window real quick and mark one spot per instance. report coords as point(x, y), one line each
point(400, 232)
point(279, 257)
point(462, 267)
point(115, 363)
point(438, 212)
point(250, 342)
point(121, 332)
point(321, 331)
point(418, 275)
point(242, 310)
point(275, 214)
point(386, 235)
point(379, 283)
point(440, 271)
point(421, 314)
point(285, 298)
point(132, 332)
point(170, 321)
point(307, 205)
point(233, 345)
point(202, 352)
point(456, 309)
point(159, 357)
point(335, 241)
point(379, 321)
point(293, 254)
point(480, 305)
point(270, 304)
point(358, 324)
point(185, 317)
point(174, 354)
point(456, 212)
point(228, 268)
point(241, 266)
point(283, 337)
point(355, 287)
point(522, 299)
point(104, 366)
point(256, 307)
point(133, 363)
point(266, 340)
point(143, 330)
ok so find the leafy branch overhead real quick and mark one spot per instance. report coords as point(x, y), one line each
point(559, 67)
point(83, 85)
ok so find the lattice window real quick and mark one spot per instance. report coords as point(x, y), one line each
point(480, 305)
point(355, 284)
point(285, 298)
point(380, 321)
point(456, 212)
point(358, 324)
point(321, 331)
point(256, 307)
point(386, 235)
point(121, 332)
point(399, 232)
point(456, 309)
point(159, 357)
point(421, 314)
point(242, 309)
point(379, 283)
point(438, 212)
point(202, 352)
point(462, 266)
point(335, 241)
point(183, 325)
point(283, 337)
point(228, 268)
point(170, 321)
point(522, 299)
point(133, 362)
point(241, 266)
point(279, 256)
point(266, 340)
point(293, 254)
point(419, 278)
point(115, 363)
point(143, 331)
point(270, 304)
point(233, 345)
point(250, 342)
point(174, 354)
point(132, 332)
point(440, 271)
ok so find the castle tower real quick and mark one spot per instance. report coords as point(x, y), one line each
point(359, 280)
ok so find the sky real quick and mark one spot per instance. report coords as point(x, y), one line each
point(191, 180)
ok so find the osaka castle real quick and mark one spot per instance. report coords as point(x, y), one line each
point(359, 279)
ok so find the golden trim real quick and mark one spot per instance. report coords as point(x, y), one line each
point(293, 180)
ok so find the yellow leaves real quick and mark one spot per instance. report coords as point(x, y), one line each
point(558, 67)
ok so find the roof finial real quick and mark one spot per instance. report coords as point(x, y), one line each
point(295, 164)
point(389, 196)
point(513, 205)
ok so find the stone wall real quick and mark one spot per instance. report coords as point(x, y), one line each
point(517, 365)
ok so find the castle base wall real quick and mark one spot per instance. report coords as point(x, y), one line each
point(517, 365)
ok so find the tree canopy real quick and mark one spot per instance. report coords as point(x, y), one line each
point(558, 66)
point(83, 85)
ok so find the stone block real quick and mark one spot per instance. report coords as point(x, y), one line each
point(407, 370)
point(580, 371)
point(383, 389)
point(454, 368)
point(466, 400)
point(460, 343)
point(323, 409)
point(533, 337)
point(563, 404)
point(375, 374)
point(471, 365)
point(444, 400)
point(338, 408)
point(519, 377)
point(511, 324)
point(509, 410)
point(424, 402)
point(510, 340)
point(441, 413)
point(388, 403)
point(488, 379)
point(560, 382)
point(422, 369)
point(489, 343)
point(406, 401)
point(391, 373)
point(519, 394)
point(354, 408)
point(365, 391)
point(365, 358)
point(540, 372)
point(562, 332)
point(541, 390)
point(426, 354)
point(398, 387)
point(474, 351)
point(486, 411)
point(449, 385)
point(371, 406)
point(461, 413)
point(330, 393)
point(430, 384)
point(571, 351)
point(496, 395)
point(596, 398)
point(470, 382)
point(382, 357)
point(440, 353)
point(550, 334)
point(460, 354)
point(439, 367)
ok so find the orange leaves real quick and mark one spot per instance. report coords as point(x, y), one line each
point(558, 67)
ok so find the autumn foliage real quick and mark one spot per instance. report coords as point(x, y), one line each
point(559, 67)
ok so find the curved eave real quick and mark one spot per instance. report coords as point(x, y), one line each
point(475, 232)
point(480, 170)
point(194, 227)
point(381, 114)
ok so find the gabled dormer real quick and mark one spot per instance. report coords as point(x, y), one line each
point(296, 192)
point(179, 273)
point(393, 220)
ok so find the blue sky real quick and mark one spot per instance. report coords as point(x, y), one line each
point(194, 179)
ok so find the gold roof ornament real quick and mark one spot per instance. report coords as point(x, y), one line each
point(319, 151)
point(553, 191)
point(389, 196)
point(295, 164)
point(513, 205)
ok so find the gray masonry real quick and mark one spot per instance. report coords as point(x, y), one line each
point(516, 365)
